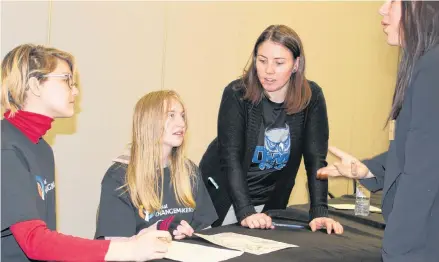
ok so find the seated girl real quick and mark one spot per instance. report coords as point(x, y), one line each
point(154, 186)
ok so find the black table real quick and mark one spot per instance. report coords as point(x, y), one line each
point(373, 219)
point(360, 241)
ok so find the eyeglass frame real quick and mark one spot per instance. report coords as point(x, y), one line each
point(68, 77)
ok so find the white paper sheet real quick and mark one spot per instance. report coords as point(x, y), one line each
point(187, 252)
point(249, 244)
point(352, 207)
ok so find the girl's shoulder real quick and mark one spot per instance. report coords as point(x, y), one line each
point(192, 167)
point(116, 173)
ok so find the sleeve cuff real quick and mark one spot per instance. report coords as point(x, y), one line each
point(245, 212)
point(320, 211)
point(372, 184)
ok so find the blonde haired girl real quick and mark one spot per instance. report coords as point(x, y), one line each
point(154, 184)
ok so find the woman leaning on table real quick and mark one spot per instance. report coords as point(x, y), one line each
point(268, 120)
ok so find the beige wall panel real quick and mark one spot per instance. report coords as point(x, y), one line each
point(201, 59)
point(119, 50)
point(23, 22)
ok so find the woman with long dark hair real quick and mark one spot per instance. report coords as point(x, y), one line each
point(407, 173)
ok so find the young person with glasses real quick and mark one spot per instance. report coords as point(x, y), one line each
point(37, 86)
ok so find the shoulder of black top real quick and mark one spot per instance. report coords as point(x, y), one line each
point(117, 171)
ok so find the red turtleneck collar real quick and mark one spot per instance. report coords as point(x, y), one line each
point(33, 125)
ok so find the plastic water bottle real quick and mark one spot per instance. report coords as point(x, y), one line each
point(362, 200)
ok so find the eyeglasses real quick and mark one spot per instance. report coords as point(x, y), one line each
point(67, 77)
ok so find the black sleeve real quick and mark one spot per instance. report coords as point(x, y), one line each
point(377, 166)
point(205, 213)
point(315, 151)
point(116, 217)
point(231, 148)
point(18, 190)
point(418, 184)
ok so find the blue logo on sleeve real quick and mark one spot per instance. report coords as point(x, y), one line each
point(44, 187)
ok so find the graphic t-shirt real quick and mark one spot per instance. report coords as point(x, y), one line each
point(117, 216)
point(271, 153)
point(27, 186)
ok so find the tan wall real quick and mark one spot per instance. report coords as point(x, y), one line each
point(126, 49)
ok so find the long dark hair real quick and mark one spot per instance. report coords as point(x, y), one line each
point(419, 31)
point(299, 93)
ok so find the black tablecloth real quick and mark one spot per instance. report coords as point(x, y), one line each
point(373, 219)
point(360, 241)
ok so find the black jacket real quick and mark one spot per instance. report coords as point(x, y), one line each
point(228, 157)
point(408, 172)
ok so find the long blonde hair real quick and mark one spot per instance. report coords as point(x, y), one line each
point(21, 64)
point(144, 177)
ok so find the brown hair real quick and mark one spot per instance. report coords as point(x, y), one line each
point(299, 93)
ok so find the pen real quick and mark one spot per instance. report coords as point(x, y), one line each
point(288, 226)
point(213, 182)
